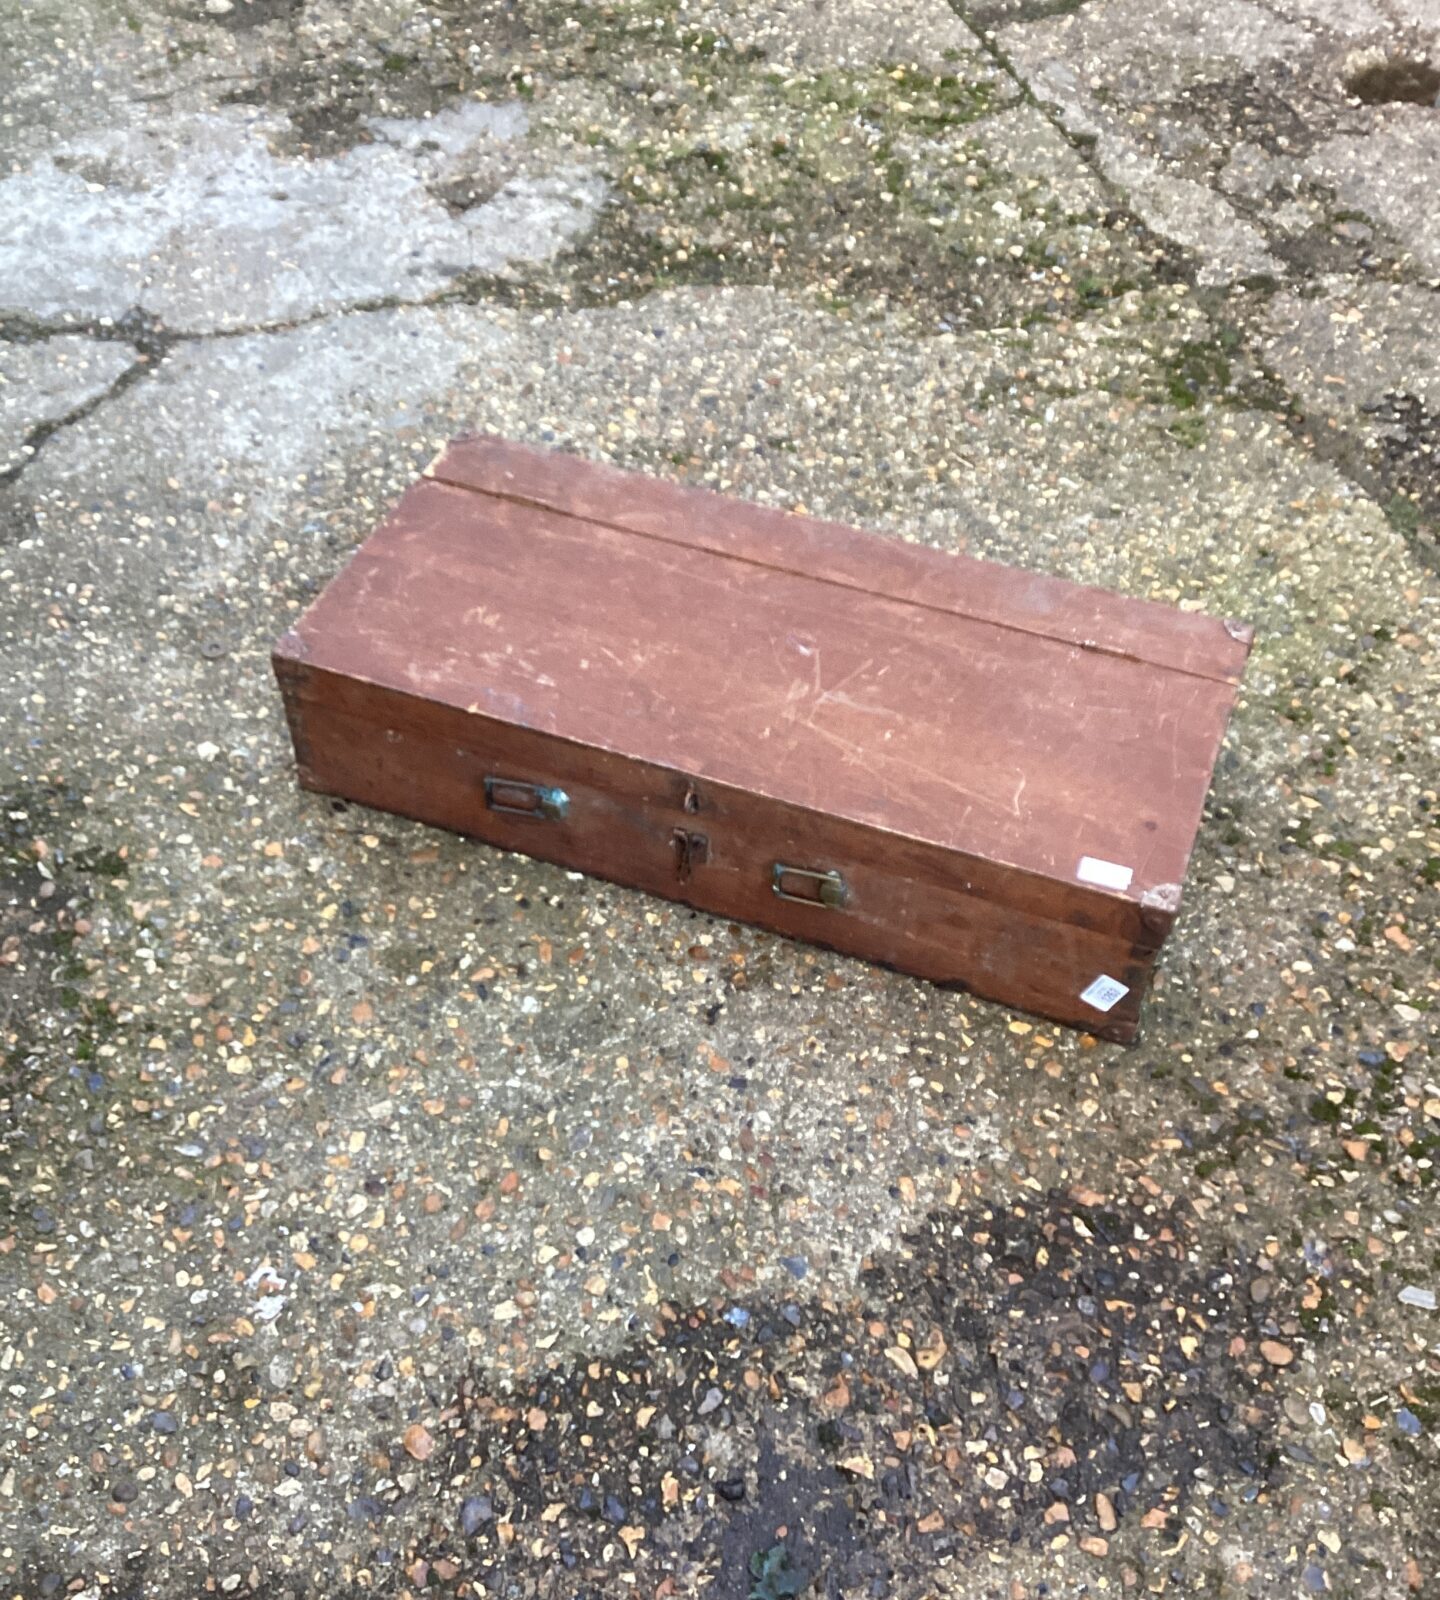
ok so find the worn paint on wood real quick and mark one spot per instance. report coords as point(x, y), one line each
point(1005, 770)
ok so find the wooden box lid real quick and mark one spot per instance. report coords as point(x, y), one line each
point(1057, 729)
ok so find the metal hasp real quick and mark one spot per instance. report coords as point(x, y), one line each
point(691, 851)
point(826, 888)
point(523, 799)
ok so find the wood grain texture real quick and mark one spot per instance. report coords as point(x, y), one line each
point(953, 737)
point(831, 552)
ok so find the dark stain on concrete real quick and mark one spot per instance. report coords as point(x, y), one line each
point(244, 14)
point(998, 1371)
point(1400, 80)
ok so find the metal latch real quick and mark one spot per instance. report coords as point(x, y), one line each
point(691, 851)
point(808, 887)
point(523, 799)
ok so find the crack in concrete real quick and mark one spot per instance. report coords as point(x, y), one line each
point(1338, 449)
point(37, 437)
point(153, 344)
point(1082, 144)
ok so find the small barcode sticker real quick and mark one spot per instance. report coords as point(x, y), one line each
point(1104, 993)
point(1104, 874)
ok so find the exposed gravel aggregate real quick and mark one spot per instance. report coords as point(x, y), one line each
point(381, 1214)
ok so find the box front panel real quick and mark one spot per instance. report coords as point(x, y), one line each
point(741, 856)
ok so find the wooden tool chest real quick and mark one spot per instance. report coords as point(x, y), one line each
point(977, 774)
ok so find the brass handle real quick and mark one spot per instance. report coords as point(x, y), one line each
point(807, 887)
point(523, 799)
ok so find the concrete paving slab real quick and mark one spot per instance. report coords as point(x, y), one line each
point(840, 34)
point(202, 228)
point(381, 1214)
point(1349, 345)
point(1389, 173)
point(1190, 213)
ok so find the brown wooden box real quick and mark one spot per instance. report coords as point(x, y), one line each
point(983, 776)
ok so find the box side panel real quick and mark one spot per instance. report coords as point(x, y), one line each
point(293, 678)
point(716, 850)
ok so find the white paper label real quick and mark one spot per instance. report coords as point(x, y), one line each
point(1104, 993)
point(1104, 874)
